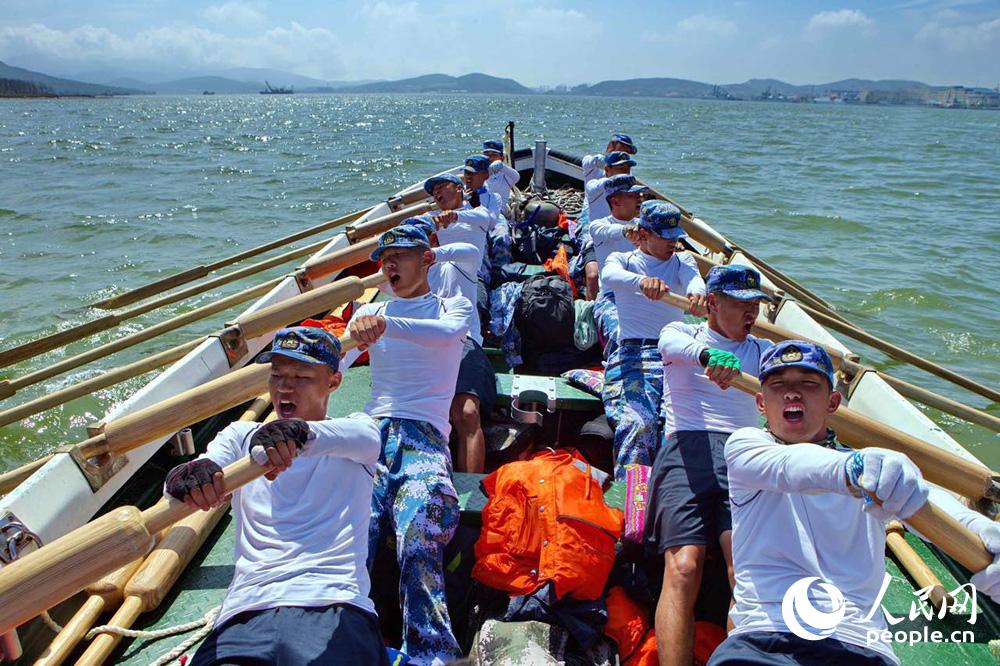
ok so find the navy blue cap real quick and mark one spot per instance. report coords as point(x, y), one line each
point(492, 147)
point(796, 354)
point(433, 181)
point(626, 140)
point(661, 218)
point(405, 235)
point(477, 163)
point(618, 158)
point(315, 346)
point(424, 223)
point(739, 282)
point(622, 183)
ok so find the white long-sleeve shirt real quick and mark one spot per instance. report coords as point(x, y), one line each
point(302, 539)
point(593, 167)
point(453, 273)
point(793, 517)
point(596, 199)
point(608, 235)
point(691, 401)
point(639, 317)
point(415, 362)
point(502, 180)
point(473, 226)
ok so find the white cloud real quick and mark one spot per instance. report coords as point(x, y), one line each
point(700, 24)
point(239, 12)
point(309, 51)
point(389, 10)
point(971, 37)
point(840, 19)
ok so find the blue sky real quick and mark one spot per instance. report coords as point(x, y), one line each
point(538, 42)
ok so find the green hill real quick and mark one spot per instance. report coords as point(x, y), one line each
point(62, 86)
point(443, 83)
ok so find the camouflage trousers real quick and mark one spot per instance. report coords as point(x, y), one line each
point(414, 498)
point(633, 391)
point(606, 317)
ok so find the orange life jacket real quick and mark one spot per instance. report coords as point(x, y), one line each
point(546, 520)
point(629, 625)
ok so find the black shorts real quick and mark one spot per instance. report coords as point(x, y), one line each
point(779, 648)
point(688, 501)
point(477, 377)
point(339, 635)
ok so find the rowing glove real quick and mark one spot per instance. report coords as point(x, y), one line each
point(271, 434)
point(889, 476)
point(184, 478)
point(719, 358)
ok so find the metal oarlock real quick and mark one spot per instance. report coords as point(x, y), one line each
point(182, 444)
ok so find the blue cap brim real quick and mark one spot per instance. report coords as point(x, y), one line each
point(294, 355)
point(744, 294)
point(628, 162)
point(797, 364)
point(486, 151)
point(378, 251)
point(431, 183)
point(471, 169)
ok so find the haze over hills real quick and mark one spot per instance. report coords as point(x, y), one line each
point(251, 80)
point(443, 83)
point(60, 86)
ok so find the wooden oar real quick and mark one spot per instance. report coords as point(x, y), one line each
point(111, 590)
point(50, 575)
point(153, 580)
point(765, 329)
point(198, 272)
point(56, 340)
point(905, 388)
point(858, 431)
point(89, 386)
point(13, 478)
point(9, 387)
point(912, 564)
point(902, 355)
point(200, 402)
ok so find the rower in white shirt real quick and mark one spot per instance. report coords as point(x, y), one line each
point(633, 385)
point(593, 165)
point(301, 532)
point(502, 178)
point(687, 511)
point(499, 239)
point(617, 232)
point(799, 512)
point(454, 273)
point(415, 344)
point(595, 207)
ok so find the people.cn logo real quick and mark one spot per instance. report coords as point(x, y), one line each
point(805, 620)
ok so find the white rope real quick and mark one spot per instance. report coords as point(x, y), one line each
point(205, 624)
point(50, 623)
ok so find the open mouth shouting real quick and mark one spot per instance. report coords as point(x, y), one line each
point(285, 409)
point(793, 413)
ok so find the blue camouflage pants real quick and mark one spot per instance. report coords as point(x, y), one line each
point(415, 498)
point(606, 317)
point(633, 390)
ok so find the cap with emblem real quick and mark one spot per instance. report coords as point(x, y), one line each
point(476, 163)
point(315, 346)
point(739, 282)
point(492, 147)
point(425, 224)
point(661, 218)
point(434, 181)
point(618, 158)
point(796, 354)
point(622, 183)
point(626, 141)
point(405, 235)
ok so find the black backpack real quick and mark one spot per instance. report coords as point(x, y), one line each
point(545, 314)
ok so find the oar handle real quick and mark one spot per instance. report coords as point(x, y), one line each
point(958, 541)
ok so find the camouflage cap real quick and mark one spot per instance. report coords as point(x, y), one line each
point(661, 218)
point(796, 354)
point(405, 235)
point(315, 346)
point(739, 282)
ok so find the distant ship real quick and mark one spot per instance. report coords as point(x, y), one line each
point(268, 90)
point(208, 92)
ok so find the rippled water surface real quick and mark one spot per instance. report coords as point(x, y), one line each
point(892, 214)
